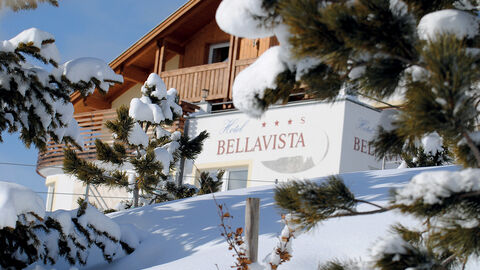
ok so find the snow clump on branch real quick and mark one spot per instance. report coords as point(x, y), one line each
point(68, 234)
point(16, 200)
point(432, 187)
point(251, 83)
point(144, 110)
point(448, 21)
point(39, 101)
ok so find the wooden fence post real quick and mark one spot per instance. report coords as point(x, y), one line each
point(252, 221)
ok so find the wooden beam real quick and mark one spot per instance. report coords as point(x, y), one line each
point(174, 47)
point(135, 73)
point(231, 66)
point(252, 221)
point(157, 57)
point(140, 44)
point(140, 53)
point(96, 102)
point(112, 95)
point(160, 57)
point(233, 55)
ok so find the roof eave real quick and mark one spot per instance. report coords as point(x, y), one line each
point(153, 34)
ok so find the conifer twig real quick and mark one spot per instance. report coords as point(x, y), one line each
point(448, 260)
point(473, 147)
point(370, 203)
point(360, 213)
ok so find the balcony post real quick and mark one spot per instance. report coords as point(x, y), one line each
point(232, 60)
point(160, 57)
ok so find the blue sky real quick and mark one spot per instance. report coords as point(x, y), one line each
point(93, 28)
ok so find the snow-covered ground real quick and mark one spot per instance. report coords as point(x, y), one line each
point(184, 234)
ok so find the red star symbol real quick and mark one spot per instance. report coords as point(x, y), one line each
point(290, 121)
point(276, 123)
point(264, 124)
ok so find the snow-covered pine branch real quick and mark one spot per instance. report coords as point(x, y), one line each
point(30, 235)
point(35, 100)
point(210, 182)
point(16, 5)
point(424, 52)
point(380, 49)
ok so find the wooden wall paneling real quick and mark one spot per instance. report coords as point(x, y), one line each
point(263, 45)
point(247, 50)
point(196, 48)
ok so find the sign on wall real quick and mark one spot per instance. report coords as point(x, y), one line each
point(302, 140)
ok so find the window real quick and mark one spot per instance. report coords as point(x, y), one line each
point(237, 179)
point(233, 178)
point(50, 193)
point(218, 53)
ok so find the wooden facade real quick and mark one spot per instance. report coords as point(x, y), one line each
point(178, 50)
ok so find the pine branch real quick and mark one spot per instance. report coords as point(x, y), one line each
point(355, 213)
point(473, 147)
point(370, 203)
point(378, 100)
point(17, 5)
point(89, 172)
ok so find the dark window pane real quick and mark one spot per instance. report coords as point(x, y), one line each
point(219, 54)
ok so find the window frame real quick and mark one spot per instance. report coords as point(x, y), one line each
point(216, 46)
point(50, 196)
point(226, 177)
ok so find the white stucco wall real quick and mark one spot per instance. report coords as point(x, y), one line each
point(360, 126)
point(68, 189)
point(124, 99)
point(295, 141)
point(314, 134)
point(173, 63)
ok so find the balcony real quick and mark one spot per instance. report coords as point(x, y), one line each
point(92, 127)
point(215, 77)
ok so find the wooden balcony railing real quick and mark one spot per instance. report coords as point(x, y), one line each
point(190, 81)
point(240, 65)
point(215, 77)
point(92, 127)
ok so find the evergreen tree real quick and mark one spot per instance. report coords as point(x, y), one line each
point(429, 151)
point(210, 183)
point(36, 101)
point(61, 234)
point(425, 50)
point(371, 48)
point(136, 161)
point(16, 5)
